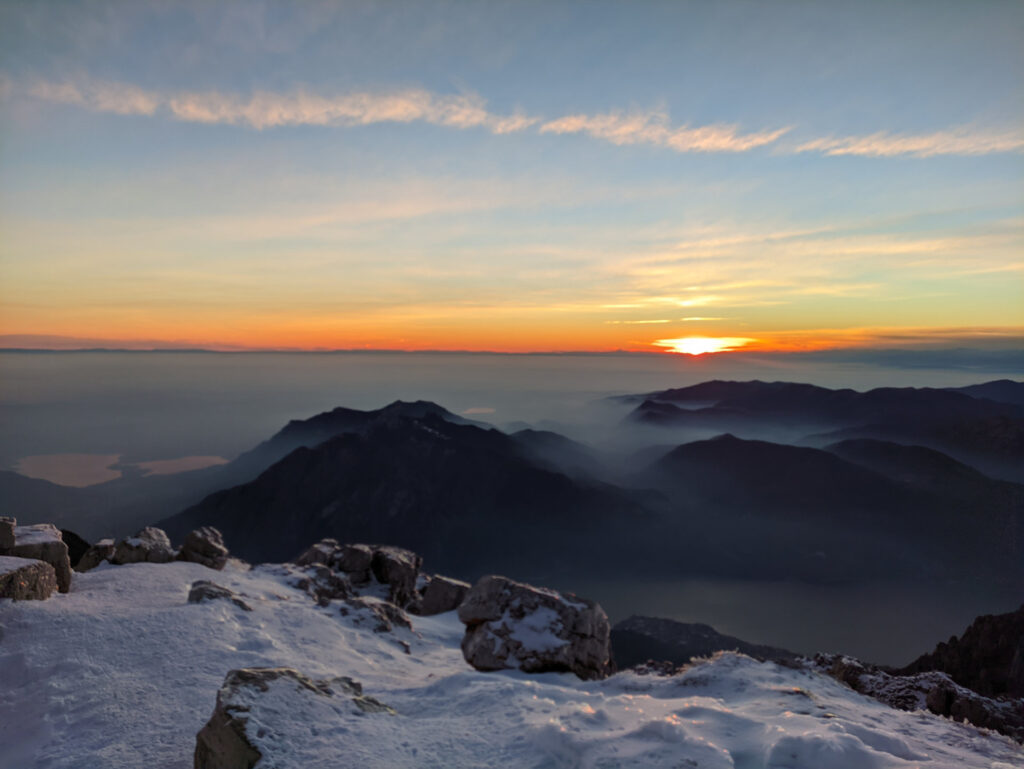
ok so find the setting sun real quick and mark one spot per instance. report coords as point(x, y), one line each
point(698, 345)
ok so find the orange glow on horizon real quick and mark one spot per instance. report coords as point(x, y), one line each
point(701, 345)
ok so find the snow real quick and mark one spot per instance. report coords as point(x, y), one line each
point(123, 672)
point(9, 563)
point(537, 631)
point(38, 534)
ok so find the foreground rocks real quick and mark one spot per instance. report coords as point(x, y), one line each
point(96, 554)
point(253, 709)
point(42, 542)
point(441, 594)
point(513, 625)
point(206, 546)
point(203, 590)
point(25, 579)
point(150, 545)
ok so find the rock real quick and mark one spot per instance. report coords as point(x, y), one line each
point(322, 552)
point(43, 542)
point(95, 555)
point(202, 590)
point(381, 615)
point(26, 579)
point(150, 545)
point(248, 716)
point(398, 569)
point(442, 594)
point(7, 526)
point(323, 584)
point(512, 625)
point(354, 560)
point(206, 546)
point(77, 546)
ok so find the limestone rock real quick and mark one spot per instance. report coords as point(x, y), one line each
point(322, 552)
point(442, 594)
point(43, 542)
point(205, 545)
point(247, 715)
point(203, 590)
point(7, 526)
point(26, 579)
point(95, 555)
point(512, 625)
point(397, 568)
point(150, 545)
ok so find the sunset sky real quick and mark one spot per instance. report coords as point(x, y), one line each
point(511, 176)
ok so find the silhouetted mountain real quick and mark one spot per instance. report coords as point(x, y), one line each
point(638, 639)
point(999, 390)
point(558, 452)
point(464, 497)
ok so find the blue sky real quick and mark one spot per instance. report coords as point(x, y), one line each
point(512, 175)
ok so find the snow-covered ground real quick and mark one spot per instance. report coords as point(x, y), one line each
point(122, 672)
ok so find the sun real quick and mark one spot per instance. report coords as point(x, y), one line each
point(699, 345)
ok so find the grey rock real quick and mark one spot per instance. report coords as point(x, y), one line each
point(354, 560)
point(150, 545)
point(95, 555)
point(397, 568)
point(381, 616)
point(7, 526)
point(322, 552)
point(442, 594)
point(513, 625)
point(226, 741)
point(43, 542)
point(323, 584)
point(26, 579)
point(205, 545)
point(202, 590)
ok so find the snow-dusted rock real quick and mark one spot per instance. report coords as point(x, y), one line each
point(381, 616)
point(276, 714)
point(26, 579)
point(43, 542)
point(95, 555)
point(323, 584)
point(322, 552)
point(397, 568)
point(205, 545)
point(512, 625)
point(150, 545)
point(7, 525)
point(441, 594)
point(354, 560)
point(202, 590)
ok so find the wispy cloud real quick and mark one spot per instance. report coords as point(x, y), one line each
point(956, 141)
point(654, 127)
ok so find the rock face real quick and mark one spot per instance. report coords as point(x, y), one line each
point(322, 552)
point(95, 555)
point(206, 546)
point(398, 569)
point(355, 560)
point(202, 590)
point(43, 542)
point(249, 705)
point(988, 658)
point(7, 532)
point(442, 594)
point(382, 616)
point(150, 545)
point(25, 579)
point(512, 625)
point(324, 584)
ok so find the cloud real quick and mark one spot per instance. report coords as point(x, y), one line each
point(654, 128)
point(956, 141)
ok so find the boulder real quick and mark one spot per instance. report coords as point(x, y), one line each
point(202, 590)
point(381, 616)
point(322, 552)
point(43, 542)
point(442, 594)
point(263, 710)
point(95, 555)
point(323, 584)
point(398, 569)
point(150, 545)
point(77, 547)
point(26, 579)
point(7, 526)
point(355, 561)
point(512, 625)
point(206, 546)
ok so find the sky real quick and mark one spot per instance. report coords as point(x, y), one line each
point(512, 176)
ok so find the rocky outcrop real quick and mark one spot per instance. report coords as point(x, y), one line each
point(150, 545)
point(512, 625)
point(441, 594)
point(43, 542)
point(323, 584)
point(398, 569)
point(25, 579)
point(205, 545)
point(203, 590)
point(7, 525)
point(381, 616)
point(988, 658)
point(355, 561)
point(931, 690)
point(322, 552)
point(247, 722)
point(95, 555)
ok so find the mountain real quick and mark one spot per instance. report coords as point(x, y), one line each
point(1001, 390)
point(638, 639)
point(459, 494)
